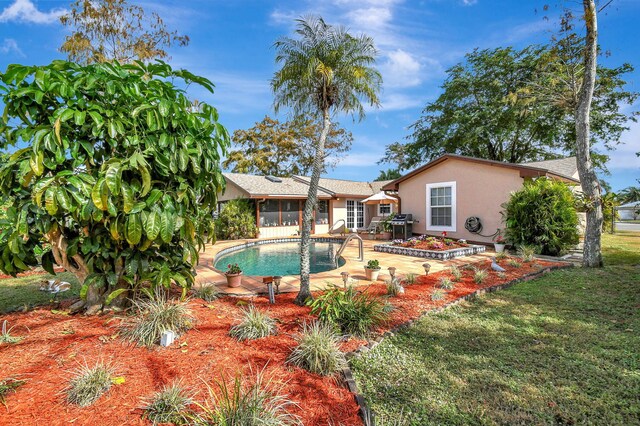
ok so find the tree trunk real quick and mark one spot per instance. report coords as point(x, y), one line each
point(589, 180)
point(309, 207)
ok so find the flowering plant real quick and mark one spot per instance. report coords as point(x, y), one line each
point(444, 234)
point(499, 238)
point(233, 269)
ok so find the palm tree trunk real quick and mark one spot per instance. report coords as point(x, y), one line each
point(589, 180)
point(309, 207)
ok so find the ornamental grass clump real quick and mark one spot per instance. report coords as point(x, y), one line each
point(527, 253)
point(514, 263)
point(89, 383)
point(169, 405)
point(156, 315)
point(456, 273)
point(351, 311)
point(253, 325)
point(394, 288)
point(317, 349)
point(410, 278)
point(5, 334)
point(438, 294)
point(208, 292)
point(260, 403)
point(502, 255)
point(446, 284)
point(7, 386)
point(480, 275)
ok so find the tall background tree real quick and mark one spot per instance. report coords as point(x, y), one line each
point(390, 174)
point(325, 70)
point(106, 30)
point(118, 178)
point(497, 105)
point(284, 149)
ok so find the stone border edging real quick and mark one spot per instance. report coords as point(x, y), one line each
point(371, 344)
point(430, 254)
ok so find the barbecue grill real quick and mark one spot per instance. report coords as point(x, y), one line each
point(402, 226)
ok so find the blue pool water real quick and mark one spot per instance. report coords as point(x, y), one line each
point(280, 259)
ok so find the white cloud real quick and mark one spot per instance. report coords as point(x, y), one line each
point(400, 101)
point(469, 2)
point(26, 11)
point(401, 70)
point(10, 45)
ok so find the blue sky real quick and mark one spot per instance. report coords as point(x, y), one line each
point(231, 44)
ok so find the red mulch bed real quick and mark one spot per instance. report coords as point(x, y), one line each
point(55, 344)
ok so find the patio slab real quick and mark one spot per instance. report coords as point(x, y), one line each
point(250, 286)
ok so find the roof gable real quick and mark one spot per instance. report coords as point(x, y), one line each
point(261, 186)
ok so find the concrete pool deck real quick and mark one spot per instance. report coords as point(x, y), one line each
point(207, 275)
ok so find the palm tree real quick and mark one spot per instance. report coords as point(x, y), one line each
point(629, 195)
point(324, 71)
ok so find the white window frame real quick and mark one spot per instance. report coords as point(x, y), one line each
point(356, 216)
point(431, 227)
point(385, 214)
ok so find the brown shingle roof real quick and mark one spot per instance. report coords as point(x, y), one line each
point(562, 166)
point(341, 187)
point(260, 186)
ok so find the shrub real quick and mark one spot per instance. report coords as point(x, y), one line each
point(317, 350)
point(207, 292)
point(256, 404)
point(5, 334)
point(7, 386)
point(156, 315)
point(480, 275)
point(456, 273)
point(438, 294)
point(170, 405)
point(236, 220)
point(254, 325)
point(89, 383)
point(446, 284)
point(353, 312)
point(542, 214)
point(410, 278)
point(527, 253)
point(514, 263)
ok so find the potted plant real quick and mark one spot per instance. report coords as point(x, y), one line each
point(372, 269)
point(234, 275)
point(385, 226)
point(500, 242)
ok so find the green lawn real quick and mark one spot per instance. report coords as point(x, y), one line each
point(563, 349)
point(18, 292)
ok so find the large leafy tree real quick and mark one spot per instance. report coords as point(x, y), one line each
point(390, 174)
point(325, 70)
point(494, 106)
point(106, 30)
point(284, 149)
point(116, 174)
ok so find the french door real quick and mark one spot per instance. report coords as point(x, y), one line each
point(355, 214)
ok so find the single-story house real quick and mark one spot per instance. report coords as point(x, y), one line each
point(442, 194)
point(629, 211)
point(279, 202)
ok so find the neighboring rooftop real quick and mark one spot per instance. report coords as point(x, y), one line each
point(263, 186)
point(563, 166)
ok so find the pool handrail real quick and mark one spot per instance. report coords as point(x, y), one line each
point(344, 244)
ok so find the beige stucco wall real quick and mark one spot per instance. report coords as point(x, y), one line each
point(480, 191)
point(232, 192)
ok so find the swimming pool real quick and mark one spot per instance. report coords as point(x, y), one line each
point(280, 258)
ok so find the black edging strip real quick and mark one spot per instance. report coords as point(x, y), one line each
point(365, 411)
